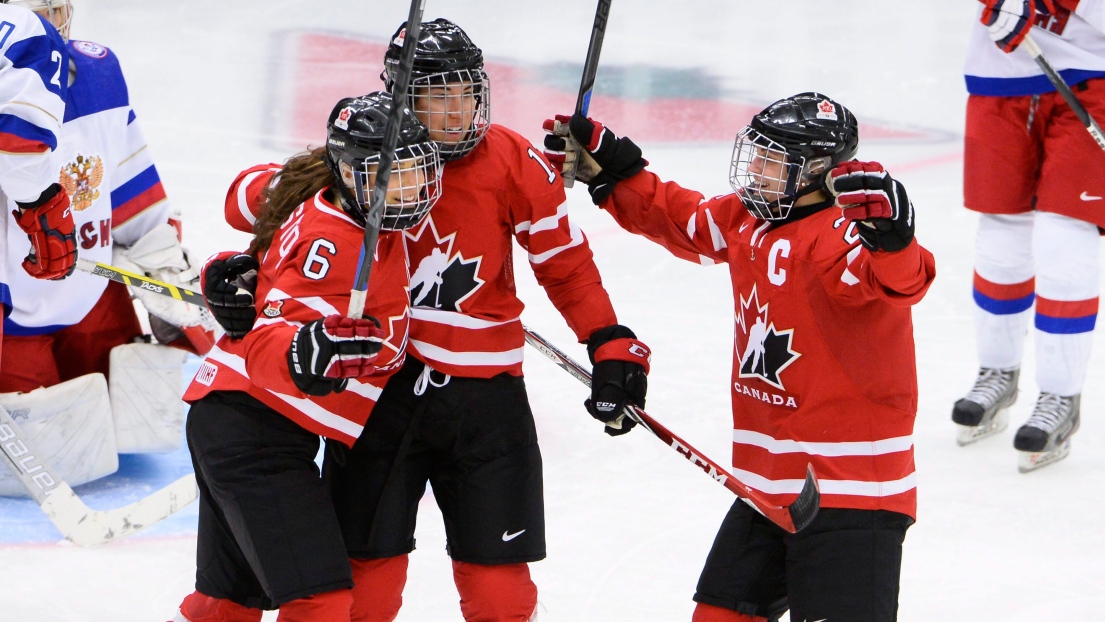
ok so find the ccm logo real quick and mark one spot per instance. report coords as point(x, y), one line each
point(641, 351)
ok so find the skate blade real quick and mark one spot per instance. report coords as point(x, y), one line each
point(1033, 460)
point(968, 434)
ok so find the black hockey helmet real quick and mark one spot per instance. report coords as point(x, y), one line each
point(785, 151)
point(354, 139)
point(445, 56)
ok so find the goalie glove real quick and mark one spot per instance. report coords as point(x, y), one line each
point(600, 159)
point(619, 376)
point(229, 282)
point(325, 353)
point(48, 222)
point(158, 255)
point(867, 194)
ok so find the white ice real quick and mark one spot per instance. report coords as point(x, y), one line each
point(629, 522)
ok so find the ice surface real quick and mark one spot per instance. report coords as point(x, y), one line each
point(216, 85)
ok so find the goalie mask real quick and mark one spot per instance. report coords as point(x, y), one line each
point(783, 154)
point(354, 138)
point(449, 89)
point(57, 12)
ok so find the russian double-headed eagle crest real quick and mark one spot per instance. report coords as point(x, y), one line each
point(81, 180)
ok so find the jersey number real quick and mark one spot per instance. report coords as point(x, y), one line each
point(316, 266)
point(6, 29)
point(537, 158)
point(56, 57)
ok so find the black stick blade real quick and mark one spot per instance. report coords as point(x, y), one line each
point(804, 508)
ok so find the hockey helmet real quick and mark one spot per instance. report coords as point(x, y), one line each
point(57, 12)
point(784, 152)
point(449, 89)
point(354, 139)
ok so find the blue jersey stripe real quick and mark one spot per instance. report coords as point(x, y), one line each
point(46, 55)
point(135, 186)
point(130, 117)
point(29, 132)
point(5, 299)
point(1066, 325)
point(1032, 85)
point(17, 330)
point(1003, 307)
point(99, 84)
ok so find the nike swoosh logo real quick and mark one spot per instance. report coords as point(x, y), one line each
point(507, 536)
point(1088, 197)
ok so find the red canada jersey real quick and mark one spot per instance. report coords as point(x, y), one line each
point(305, 275)
point(824, 368)
point(464, 307)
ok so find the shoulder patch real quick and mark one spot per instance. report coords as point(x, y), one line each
point(274, 308)
point(90, 49)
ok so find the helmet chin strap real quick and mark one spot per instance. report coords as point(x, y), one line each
point(345, 196)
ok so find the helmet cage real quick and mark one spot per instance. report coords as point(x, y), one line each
point(455, 106)
point(49, 7)
point(413, 187)
point(767, 177)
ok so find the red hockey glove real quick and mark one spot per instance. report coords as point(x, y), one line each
point(48, 222)
point(327, 352)
point(229, 282)
point(604, 160)
point(619, 376)
point(866, 193)
point(1009, 21)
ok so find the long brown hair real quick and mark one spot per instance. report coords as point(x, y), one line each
point(301, 178)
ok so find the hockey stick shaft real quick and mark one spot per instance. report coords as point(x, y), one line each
point(791, 518)
point(76, 521)
point(375, 216)
point(590, 71)
point(138, 280)
point(1060, 85)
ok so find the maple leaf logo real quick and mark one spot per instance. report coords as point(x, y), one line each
point(441, 280)
point(766, 350)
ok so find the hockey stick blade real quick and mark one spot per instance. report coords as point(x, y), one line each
point(126, 277)
point(77, 522)
point(1064, 90)
point(792, 518)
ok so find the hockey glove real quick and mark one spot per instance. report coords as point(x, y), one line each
point(869, 195)
point(600, 158)
point(229, 282)
point(619, 376)
point(1009, 21)
point(48, 222)
point(325, 353)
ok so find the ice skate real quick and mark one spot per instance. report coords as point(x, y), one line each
point(1045, 437)
point(984, 411)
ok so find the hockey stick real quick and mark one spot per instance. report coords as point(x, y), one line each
point(590, 70)
point(77, 522)
point(126, 277)
point(375, 216)
point(792, 518)
point(1060, 85)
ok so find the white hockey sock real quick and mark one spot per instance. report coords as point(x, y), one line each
point(1004, 288)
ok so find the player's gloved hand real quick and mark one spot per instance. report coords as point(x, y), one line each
point(229, 282)
point(1009, 21)
point(619, 376)
point(600, 158)
point(325, 353)
point(869, 195)
point(48, 222)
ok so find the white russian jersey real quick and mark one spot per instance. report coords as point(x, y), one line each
point(1073, 43)
point(116, 193)
point(32, 57)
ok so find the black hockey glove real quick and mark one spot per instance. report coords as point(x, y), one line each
point(619, 376)
point(869, 195)
point(604, 160)
point(325, 353)
point(229, 282)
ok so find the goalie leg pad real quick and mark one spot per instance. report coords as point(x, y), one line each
point(70, 424)
point(146, 387)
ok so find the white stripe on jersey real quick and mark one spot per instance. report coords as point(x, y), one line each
point(828, 486)
point(459, 320)
point(786, 446)
point(547, 223)
point(243, 203)
point(508, 358)
point(577, 239)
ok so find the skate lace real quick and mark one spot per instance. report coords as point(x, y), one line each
point(989, 386)
point(1048, 413)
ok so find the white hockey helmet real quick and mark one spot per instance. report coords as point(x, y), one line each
point(57, 12)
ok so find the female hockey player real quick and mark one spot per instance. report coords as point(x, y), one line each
point(823, 367)
point(268, 535)
point(457, 414)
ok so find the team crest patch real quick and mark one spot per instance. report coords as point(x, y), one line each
point(402, 36)
point(274, 308)
point(342, 121)
point(764, 350)
point(81, 179)
point(826, 110)
point(88, 48)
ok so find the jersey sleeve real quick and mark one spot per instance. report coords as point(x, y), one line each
point(138, 200)
point(1092, 12)
point(32, 96)
point(559, 254)
point(690, 226)
point(243, 199)
point(900, 278)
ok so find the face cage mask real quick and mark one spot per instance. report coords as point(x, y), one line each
point(413, 188)
point(456, 107)
point(50, 6)
point(762, 174)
